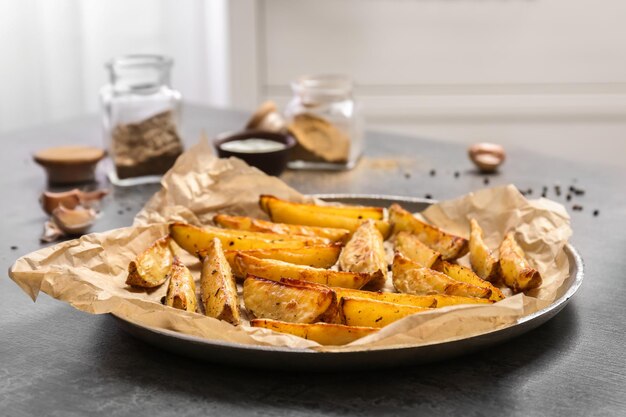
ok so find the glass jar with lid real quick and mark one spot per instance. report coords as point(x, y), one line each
point(140, 115)
point(326, 122)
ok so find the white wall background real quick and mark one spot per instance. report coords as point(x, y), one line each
point(516, 70)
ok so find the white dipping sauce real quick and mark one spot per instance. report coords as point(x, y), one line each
point(253, 145)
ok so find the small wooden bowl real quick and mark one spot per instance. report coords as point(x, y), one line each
point(272, 162)
point(70, 164)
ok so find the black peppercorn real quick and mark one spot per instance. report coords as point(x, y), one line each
point(15, 247)
point(407, 175)
point(568, 197)
point(596, 212)
point(486, 181)
point(457, 174)
point(428, 196)
point(432, 172)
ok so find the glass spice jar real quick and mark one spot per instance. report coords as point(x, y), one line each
point(326, 122)
point(140, 115)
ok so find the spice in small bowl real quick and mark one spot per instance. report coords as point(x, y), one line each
point(268, 151)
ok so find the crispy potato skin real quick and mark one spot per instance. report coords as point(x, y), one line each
point(448, 245)
point(151, 268)
point(322, 333)
point(217, 284)
point(313, 256)
point(257, 225)
point(409, 245)
point(481, 259)
point(194, 239)
point(463, 274)
point(181, 292)
point(355, 212)
point(275, 270)
point(373, 313)
point(365, 252)
point(516, 272)
point(287, 302)
point(426, 301)
point(319, 216)
point(409, 277)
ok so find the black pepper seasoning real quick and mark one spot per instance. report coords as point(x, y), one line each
point(428, 196)
point(568, 197)
point(457, 174)
point(432, 172)
point(486, 181)
point(596, 212)
point(15, 247)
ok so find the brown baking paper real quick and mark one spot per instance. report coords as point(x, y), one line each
point(89, 273)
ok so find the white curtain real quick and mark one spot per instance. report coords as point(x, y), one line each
point(52, 52)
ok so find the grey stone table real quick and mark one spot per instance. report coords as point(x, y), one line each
point(57, 361)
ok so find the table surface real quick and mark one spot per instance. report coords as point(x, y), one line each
point(55, 360)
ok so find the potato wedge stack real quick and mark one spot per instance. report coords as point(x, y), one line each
point(317, 271)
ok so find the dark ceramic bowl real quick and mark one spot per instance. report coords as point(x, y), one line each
point(272, 162)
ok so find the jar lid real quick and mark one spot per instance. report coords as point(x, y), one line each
point(69, 155)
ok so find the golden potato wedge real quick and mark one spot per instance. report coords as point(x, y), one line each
point(288, 302)
point(426, 301)
point(516, 272)
point(409, 245)
point(151, 267)
point(193, 238)
point(373, 313)
point(365, 252)
point(322, 333)
point(463, 274)
point(355, 212)
point(448, 245)
point(309, 215)
point(314, 256)
point(218, 290)
point(452, 300)
point(411, 278)
point(181, 292)
point(275, 270)
point(257, 225)
point(481, 259)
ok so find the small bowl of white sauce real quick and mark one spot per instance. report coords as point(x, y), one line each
point(267, 151)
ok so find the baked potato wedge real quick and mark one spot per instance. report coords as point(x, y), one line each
point(275, 270)
point(463, 274)
point(288, 302)
point(193, 238)
point(481, 259)
point(365, 252)
point(181, 291)
point(409, 245)
point(309, 215)
point(322, 333)
point(411, 278)
point(257, 225)
point(151, 267)
point(448, 245)
point(516, 272)
point(426, 301)
point(315, 256)
point(452, 300)
point(355, 212)
point(373, 313)
point(218, 290)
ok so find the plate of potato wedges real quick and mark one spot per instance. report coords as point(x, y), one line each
point(334, 274)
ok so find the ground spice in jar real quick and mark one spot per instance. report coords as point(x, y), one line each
point(149, 147)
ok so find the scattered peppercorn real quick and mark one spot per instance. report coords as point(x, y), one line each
point(407, 175)
point(596, 212)
point(576, 207)
point(486, 181)
point(128, 208)
point(530, 191)
point(432, 172)
point(579, 192)
point(544, 190)
point(428, 196)
point(557, 190)
point(568, 197)
point(544, 194)
point(120, 212)
point(15, 247)
point(457, 174)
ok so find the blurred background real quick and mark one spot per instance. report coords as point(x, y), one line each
point(521, 71)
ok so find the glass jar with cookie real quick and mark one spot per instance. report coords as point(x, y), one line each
point(326, 122)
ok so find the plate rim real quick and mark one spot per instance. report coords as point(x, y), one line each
point(555, 306)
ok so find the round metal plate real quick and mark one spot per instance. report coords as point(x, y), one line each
point(302, 359)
